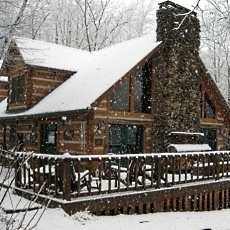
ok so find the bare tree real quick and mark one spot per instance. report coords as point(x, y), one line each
point(85, 24)
point(215, 37)
point(11, 28)
point(101, 21)
point(35, 17)
point(17, 215)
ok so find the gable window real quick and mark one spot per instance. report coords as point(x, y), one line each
point(17, 89)
point(209, 110)
point(120, 96)
point(143, 91)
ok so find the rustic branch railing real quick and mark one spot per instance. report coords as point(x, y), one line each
point(68, 177)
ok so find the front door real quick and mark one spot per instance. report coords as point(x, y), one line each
point(48, 138)
point(126, 139)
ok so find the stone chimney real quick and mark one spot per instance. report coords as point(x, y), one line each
point(178, 24)
point(176, 78)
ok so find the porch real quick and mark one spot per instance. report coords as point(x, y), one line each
point(131, 183)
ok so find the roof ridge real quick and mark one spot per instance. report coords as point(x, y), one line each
point(125, 41)
point(18, 38)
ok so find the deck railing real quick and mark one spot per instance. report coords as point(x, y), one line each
point(67, 177)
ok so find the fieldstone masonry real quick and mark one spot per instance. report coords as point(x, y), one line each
point(176, 79)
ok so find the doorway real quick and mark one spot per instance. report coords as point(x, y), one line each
point(49, 138)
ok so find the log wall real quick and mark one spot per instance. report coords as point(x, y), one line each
point(44, 81)
point(72, 137)
point(3, 90)
point(73, 133)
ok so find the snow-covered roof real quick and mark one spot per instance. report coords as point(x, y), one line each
point(190, 147)
point(4, 78)
point(187, 133)
point(45, 54)
point(95, 75)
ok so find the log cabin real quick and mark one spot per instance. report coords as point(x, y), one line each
point(126, 98)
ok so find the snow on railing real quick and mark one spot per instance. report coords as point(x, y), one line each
point(114, 156)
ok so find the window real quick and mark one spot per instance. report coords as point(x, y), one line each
point(115, 135)
point(68, 135)
point(17, 89)
point(120, 96)
point(126, 139)
point(143, 91)
point(207, 108)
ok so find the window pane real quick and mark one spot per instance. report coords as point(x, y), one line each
point(51, 137)
point(21, 84)
point(143, 91)
point(17, 90)
point(139, 92)
point(120, 97)
point(131, 135)
point(209, 109)
point(13, 89)
point(126, 139)
point(115, 135)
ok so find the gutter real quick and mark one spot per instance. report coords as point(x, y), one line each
point(41, 115)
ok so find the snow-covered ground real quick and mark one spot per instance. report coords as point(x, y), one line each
point(57, 219)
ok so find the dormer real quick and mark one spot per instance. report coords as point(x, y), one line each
point(35, 69)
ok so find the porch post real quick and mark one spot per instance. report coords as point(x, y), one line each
point(66, 180)
point(18, 170)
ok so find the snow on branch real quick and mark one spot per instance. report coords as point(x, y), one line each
point(186, 15)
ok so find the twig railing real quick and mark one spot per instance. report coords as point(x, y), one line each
point(68, 177)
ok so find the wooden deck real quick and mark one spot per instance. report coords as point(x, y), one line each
point(113, 184)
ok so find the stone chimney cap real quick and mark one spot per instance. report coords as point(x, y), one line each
point(170, 4)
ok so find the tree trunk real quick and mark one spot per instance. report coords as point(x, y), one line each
point(12, 29)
